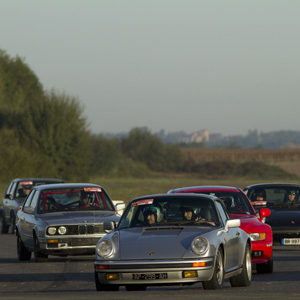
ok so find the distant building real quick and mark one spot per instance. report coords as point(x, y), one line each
point(200, 136)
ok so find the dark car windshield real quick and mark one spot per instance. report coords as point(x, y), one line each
point(73, 199)
point(235, 202)
point(168, 211)
point(276, 197)
point(24, 187)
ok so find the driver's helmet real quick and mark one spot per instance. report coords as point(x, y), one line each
point(290, 192)
point(152, 209)
point(86, 195)
point(259, 193)
point(189, 209)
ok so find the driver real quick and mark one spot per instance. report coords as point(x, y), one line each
point(87, 200)
point(290, 196)
point(189, 214)
point(152, 215)
point(259, 195)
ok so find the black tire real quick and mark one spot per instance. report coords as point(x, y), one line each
point(12, 224)
point(23, 253)
point(105, 287)
point(244, 278)
point(136, 287)
point(4, 227)
point(265, 267)
point(38, 255)
point(217, 280)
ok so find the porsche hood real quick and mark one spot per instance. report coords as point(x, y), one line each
point(156, 242)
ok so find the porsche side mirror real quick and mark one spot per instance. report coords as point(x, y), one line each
point(109, 226)
point(233, 223)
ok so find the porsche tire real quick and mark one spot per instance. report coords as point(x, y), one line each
point(217, 280)
point(244, 278)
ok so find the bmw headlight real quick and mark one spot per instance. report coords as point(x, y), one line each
point(62, 229)
point(104, 248)
point(200, 245)
point(260, 236)
point(51, 230)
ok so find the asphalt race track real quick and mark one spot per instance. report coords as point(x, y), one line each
point(73, 278)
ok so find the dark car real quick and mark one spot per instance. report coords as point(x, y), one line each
point(239, 207)
point(155, 243)
point(63, 219)
point(14, 197)
point(283, 201)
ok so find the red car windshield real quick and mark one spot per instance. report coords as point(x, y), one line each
point(235, 202)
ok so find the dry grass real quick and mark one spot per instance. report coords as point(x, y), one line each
point(287, 159)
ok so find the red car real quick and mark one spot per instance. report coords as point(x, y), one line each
point(239, 207)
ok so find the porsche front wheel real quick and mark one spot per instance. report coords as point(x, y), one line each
point(217, 279)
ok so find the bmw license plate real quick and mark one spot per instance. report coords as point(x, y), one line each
point(290, 242)
point(150, 276)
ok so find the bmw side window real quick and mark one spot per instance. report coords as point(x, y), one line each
point(9, 189)
point(13, 189)
point(28, 200)
point(34, 201)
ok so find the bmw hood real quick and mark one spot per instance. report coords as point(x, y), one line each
point(76, 217)
point(284, 218)
point(156, 242)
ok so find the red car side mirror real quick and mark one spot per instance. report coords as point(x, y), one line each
point(263, 213)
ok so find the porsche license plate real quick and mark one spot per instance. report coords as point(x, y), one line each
point(150, 276)
point(290, 242)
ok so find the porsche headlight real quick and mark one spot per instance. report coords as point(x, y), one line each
point(200, 245)
point(62, 229)
point(261, 236)
point(51, 230)
point(104, 248)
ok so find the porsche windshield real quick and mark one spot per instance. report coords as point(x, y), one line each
point(73, 199)
point(280, 197)
point(170, 211)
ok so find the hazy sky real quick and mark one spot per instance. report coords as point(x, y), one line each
point(226, 66)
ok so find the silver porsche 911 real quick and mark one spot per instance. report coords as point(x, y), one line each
point(173, 239)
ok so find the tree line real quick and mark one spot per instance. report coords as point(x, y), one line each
point(44, 134)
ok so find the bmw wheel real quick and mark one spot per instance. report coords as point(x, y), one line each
point(23, 253)
point(3, 226)
point(38, 255)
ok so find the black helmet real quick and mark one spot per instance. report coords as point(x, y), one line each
point(151, 209)
point(85, 195)
point(259, 193)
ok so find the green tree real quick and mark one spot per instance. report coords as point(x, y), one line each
point(144, 147)
point(42, 133)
